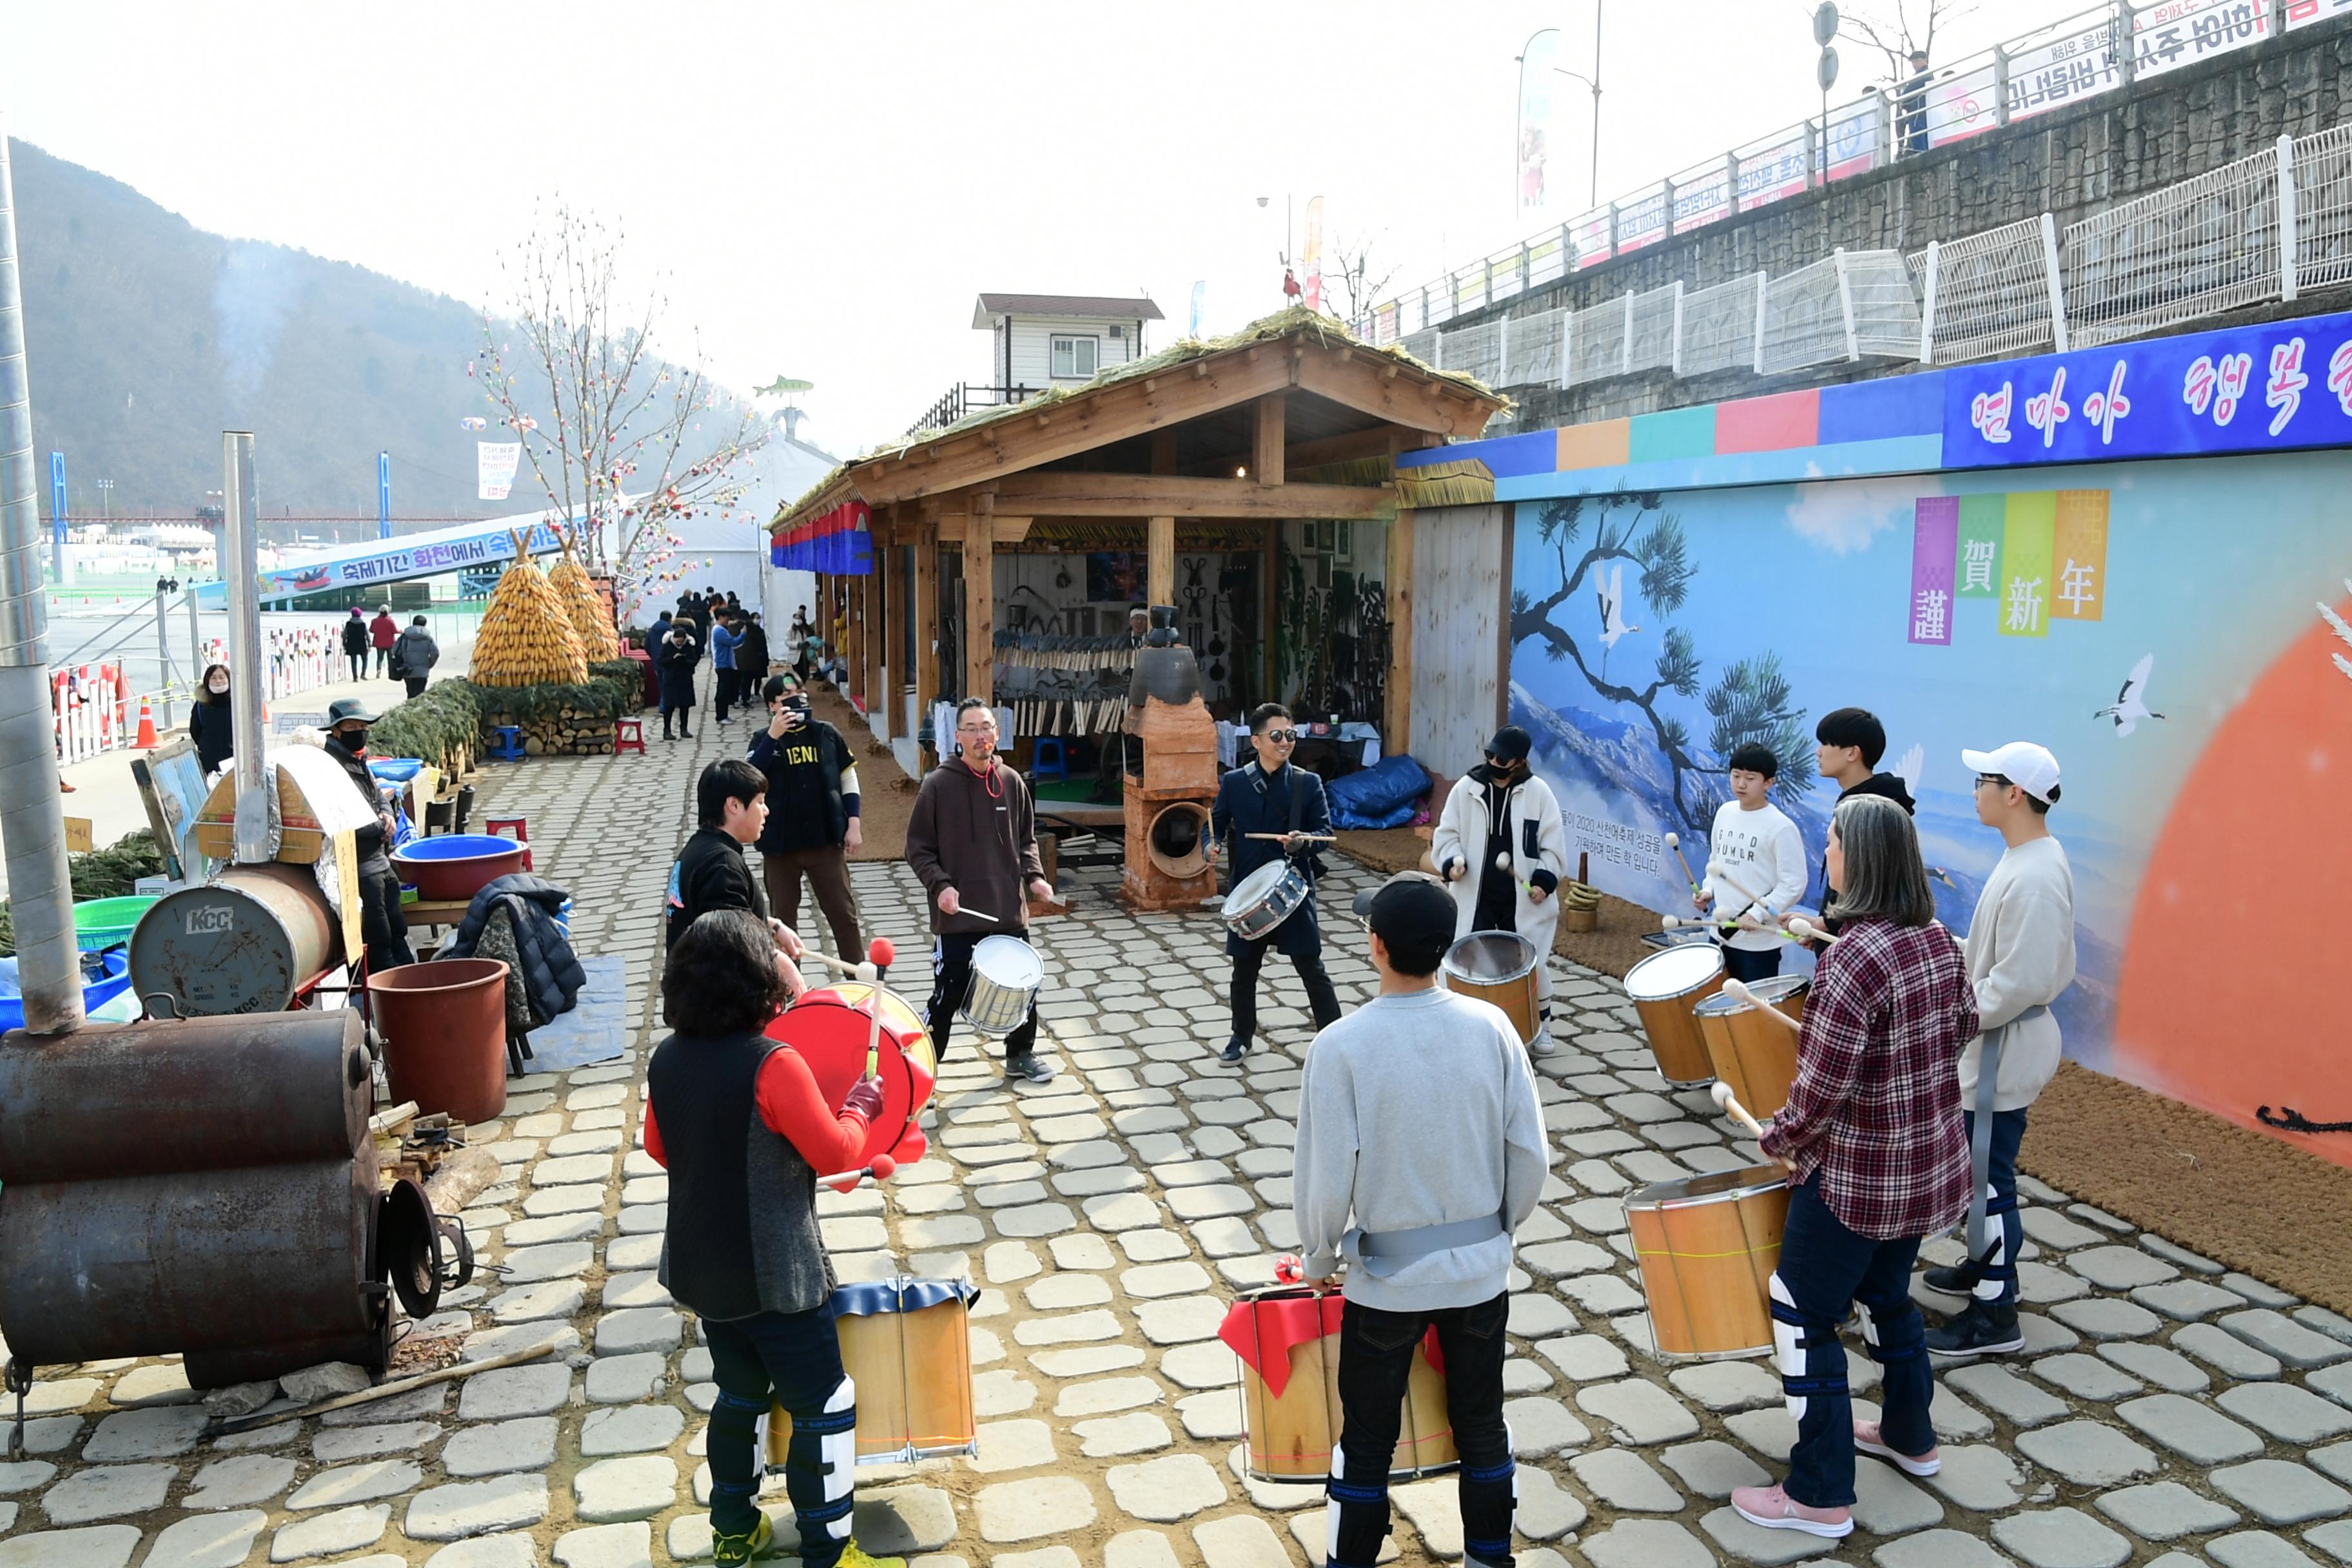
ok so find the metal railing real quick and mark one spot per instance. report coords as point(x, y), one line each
point(965, 396)
point(2059, 63)
point(2197, 248)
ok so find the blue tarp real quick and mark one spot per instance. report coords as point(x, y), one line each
point(1382, 795)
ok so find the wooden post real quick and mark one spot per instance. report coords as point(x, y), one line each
point(1397, 718)
point(1266, 469)
point(882, 684)
point(1159, 534)
point(861, 636)
point(980, 602)
point(925, 671)
point(1266, 596)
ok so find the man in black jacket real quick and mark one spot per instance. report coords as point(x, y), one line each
point(382, 924)
point(680, 651)
point(731, 802)
point(1848, 743)
point(355, 644)
point(1269, 795)
point(812, 819)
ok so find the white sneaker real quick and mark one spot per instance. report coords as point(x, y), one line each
point(1543, 1044)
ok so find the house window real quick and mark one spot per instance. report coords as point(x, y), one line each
point(1074, 358)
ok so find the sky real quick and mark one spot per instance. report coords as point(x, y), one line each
point(819, 191)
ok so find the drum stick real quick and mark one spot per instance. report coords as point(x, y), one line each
point(1303, 837)
point(1727, 1103)
point(877, 962)
point(968, 910)
point(1738, 990)
point(1804, 929)
point(1675, 843)
point(1503, 863)
point(881, 1170)
point(839, 966)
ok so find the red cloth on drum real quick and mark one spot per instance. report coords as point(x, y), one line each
point(790, 1107)
point(1264, 1332)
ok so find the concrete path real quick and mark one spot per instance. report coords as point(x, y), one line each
point(2166, 1411)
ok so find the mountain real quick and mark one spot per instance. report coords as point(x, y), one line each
point(148, 337)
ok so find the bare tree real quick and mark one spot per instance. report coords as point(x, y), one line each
point(1354, 279)
point(624, 442)
point(1896, 29)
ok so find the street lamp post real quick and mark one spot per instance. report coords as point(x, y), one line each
point(106, 501)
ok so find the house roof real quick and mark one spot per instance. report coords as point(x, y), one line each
point(859, 474)
point(990, 306)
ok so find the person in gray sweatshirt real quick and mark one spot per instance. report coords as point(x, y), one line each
point(1421, 1149)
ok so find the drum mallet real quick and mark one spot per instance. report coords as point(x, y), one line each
point(1738, 990)
point(882, 1167)
point(1728, 1103)
point(1804, 929)
point(878, 954)
point(1503, 863)
point(1675, 843)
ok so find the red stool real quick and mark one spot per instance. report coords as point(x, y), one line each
point(498, 826)
point(628, 735)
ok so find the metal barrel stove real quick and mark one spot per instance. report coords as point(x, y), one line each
point(205, 1185)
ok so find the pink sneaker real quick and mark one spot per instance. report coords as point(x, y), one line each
point(1866, 1439)
point(1774, 1508)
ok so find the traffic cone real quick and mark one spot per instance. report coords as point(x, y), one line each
point(146, 740)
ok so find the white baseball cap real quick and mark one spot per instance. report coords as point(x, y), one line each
point(2029, 767)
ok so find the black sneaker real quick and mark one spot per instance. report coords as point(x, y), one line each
point(1977, 1329)
point(1028, 1070)
point(1958, 1280)
point(1235, 1050)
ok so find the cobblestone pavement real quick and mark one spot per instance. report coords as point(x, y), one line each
point(2166, 1411)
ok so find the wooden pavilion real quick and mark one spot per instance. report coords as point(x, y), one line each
point(1205, 446)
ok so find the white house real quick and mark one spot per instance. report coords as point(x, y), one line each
point(1039, 340)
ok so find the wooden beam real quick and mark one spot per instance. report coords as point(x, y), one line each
point(1396, 726)
point(1161, 578)
point(1266, 599)
point(926, 612)
point(1265, 465)
point(1152, 495)
point(1377, 442)
point(980, 616)
point(1416, 403)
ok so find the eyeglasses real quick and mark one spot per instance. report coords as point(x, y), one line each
point(1282, 737)
point(1996, 780)
point(989, 729)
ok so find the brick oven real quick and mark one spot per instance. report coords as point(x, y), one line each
point(1171, 777)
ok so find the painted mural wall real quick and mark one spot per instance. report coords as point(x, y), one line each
point(2162, 627)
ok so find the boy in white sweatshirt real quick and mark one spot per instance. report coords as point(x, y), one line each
point(1755, 867)
point(2020, 955)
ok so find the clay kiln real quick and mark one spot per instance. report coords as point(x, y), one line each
point(1172, 776)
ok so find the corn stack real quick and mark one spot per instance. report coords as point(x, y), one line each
point(527, 638)
point(593, 628)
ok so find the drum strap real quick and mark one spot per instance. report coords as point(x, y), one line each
point(1980, 1136)
point(1428, 1239)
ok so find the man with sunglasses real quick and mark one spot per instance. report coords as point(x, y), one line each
point(1269, 795)
point(1501, 847)
point(812, 801)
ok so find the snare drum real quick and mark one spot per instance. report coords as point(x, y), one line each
point(1707, 1246)
point(1288, 1341)
point(906, 1346)
point(1664, 987)
point(1006, 974)
point(829, 1027)
point(1264, 899)
point(1498, 966)
point(1755, 1056)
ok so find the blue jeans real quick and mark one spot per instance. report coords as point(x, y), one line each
point(1997, 1281)
point(1375, 1361)
point(793, 1358)
point(1824, 1269)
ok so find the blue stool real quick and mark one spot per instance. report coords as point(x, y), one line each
point(1045, 759)
point(506, 743)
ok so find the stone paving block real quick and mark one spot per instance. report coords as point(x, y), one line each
point(2054, 1229)
point(2061, 1538)
point(1550, 1260)
point(2164, 1511)
point(1061, 1292)
point(2107, 1318)
point(1087, 1361)
point(164, 1434)
point(2194, 1431)
point(1647, 1543)
point(510, 1391)
point(537, 1303)
point(477, 1508)
point(1207, 1365)
point(107, 1491)
point(895, 1520)
point(1712, 1468)
point(2087, 1377)
point(512, 1550)
point(2195, 1263)
point(1623, 1481)
point(1772, 1432)
point(2042, 1283)
point(2088, 1453)
point(1013, 1445)
point(2283, 1337)
point(1534, 1315)
point(2187, 1299)
point(235, 1483)
point(1584, 1358)
point(1937, 1549)
point(498, 1447)
point(2335, 1325)
point(1032, 1220)
point(1211, 1416)
point(2256, 1549)
point(1116, 1436)
point(337, 1444)
point(153, 1384)
point(1006, 1261)
point(1644, 1413)
point(1602, 1293)
point(638, 1329)
point(2006, 1394)
point(1082, 1251)
point(2335, 1539)
point(2261, 1293)
point(1167, 1489)
point(2286, 1413)
point(613, 1490)
point(1539, 1426)
point(623, 1379)
point(1887, 1502)
point(344, 1529)
point(1982, 1479)
point(1182, 1320)
point(556, 1259)
point(2336, 1460)
point(1754, 1543)
point(607, 1546)
point(1012, 1511)
point(2279, 1491)
point(2226, 1353)
point(210, 1541)
point(644, 1289)
point(2159, 1364)
point(1241, 1540)
point(1096, 1182)
point(356, 1483)
point(938, 1232)
point(631, 1429)
point(2114, 1267)
point(1162, 1279)
point(1066, 1329)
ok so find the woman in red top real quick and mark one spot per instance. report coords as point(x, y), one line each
point(1872, 1134)
point(737, 1119)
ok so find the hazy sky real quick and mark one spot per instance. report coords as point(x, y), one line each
point(822, 188)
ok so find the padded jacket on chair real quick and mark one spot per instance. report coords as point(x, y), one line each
point(551, 972)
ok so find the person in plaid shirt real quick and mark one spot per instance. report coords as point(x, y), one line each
point(1873, 1139)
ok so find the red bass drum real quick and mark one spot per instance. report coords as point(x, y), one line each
point(829, 1027)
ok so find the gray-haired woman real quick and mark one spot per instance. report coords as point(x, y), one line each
point(1872, 1134)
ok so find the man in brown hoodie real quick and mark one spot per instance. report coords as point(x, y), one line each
point(973, 842)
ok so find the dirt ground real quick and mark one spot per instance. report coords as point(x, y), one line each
point(1614, 946)
point(886, 795)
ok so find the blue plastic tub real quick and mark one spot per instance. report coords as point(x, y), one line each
point(94, 995)
point(456, 866)
point(395, 770)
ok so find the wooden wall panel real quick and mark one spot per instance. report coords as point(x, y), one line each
point(1458, 559)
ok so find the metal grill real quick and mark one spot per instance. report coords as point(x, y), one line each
point(1990, 294)
point(1654, 320)
point(1804, 322)
point(1719, 327)
point(1422, 345)
point(2206, 244)
point(1597, 342)
point(1881, 309)
point(1535, 350)
point(2323, 208)
point(1475, 352)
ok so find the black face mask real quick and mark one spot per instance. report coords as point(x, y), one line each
point(353, 744)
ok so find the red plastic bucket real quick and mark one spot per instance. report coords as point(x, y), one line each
point(444, 1035)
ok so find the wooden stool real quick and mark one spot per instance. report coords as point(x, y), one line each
point(498, 826)
point(628, 735)
point(507, 743)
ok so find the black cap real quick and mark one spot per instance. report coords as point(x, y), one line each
point(1412, 914)
point(343, 709)
point(1511, 744)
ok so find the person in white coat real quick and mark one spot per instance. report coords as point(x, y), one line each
point(1502, 849)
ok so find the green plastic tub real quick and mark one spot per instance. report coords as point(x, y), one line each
point(103, 923)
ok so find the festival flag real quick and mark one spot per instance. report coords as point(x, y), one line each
point(1535, 71)
point(494, 466)
point(1193, 323)
point(839, 542)
point(1314, 257)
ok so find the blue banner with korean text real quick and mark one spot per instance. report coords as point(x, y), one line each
point(2269, 388)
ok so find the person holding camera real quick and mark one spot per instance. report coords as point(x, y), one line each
point(813, 799)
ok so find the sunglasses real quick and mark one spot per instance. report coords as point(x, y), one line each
point(1282, 737)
